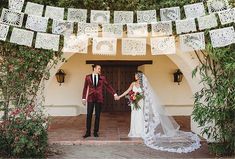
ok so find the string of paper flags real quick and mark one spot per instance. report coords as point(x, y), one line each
point(104, 35)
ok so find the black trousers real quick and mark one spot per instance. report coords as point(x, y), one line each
point(90, 108)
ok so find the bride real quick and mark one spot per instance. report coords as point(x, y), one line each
point(150, 121)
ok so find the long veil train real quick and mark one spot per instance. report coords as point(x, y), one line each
point(161, 132)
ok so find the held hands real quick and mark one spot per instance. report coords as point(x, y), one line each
point(116, 97)
point(84, 102)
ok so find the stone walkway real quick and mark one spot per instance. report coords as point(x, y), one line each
point(65, 135)
point(122, 151)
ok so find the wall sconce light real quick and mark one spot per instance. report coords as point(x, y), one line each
point(60, 76)
point(178, 76)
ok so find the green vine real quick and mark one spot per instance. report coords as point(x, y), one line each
point(22, 72)
point(214, 106)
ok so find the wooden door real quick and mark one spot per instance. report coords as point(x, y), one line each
point(120, 78)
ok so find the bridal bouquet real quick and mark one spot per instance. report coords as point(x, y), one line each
point(134, 98)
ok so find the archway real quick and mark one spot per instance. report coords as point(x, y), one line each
point(184, 61)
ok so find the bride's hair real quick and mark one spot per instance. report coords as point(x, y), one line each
point(140, 77)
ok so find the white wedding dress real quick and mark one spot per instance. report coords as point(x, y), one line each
point(137, 117)
point(157, 128)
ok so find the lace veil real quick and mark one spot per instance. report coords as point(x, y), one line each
point(161, 132)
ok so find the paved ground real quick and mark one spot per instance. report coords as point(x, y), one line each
point(65, 136)
point(114, 128)
point(122, 151)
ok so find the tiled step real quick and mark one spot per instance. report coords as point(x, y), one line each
point(101, 141)
point(114, 128)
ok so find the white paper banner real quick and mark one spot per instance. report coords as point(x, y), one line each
point(62, 27)
point(217, 5)
point(77, 15)
point(207, 22)
point(147, 16)
point(123, 17)
point(194, 10)
point(3, 31)
point(163, 45)
point(133, 46)
point(16, 5)
point(137, 30)
point(100, 17)
point(34, 9)
point(47, 41)
point(170, 14)
point(54, 12)
point(191, 42)
point(185, 26)
point(88, 29)
point(12, 18)
point(36, 23)
point(112, 30)
point(227, 16)
point(76, 44)
point(22, 37)
point(161, 28)
point(222, 37)
point(104, 46)
point(234, 38)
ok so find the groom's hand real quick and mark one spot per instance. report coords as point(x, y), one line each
point(116, 97)
point(84, 101)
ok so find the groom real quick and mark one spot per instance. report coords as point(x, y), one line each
point(93, 96)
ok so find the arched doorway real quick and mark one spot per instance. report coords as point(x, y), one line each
point(183, 61)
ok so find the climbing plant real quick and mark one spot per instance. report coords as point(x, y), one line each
point(214, 107)
point(22, 73)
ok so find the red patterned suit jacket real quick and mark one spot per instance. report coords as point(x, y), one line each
point(91, 94)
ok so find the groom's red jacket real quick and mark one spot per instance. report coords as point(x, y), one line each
point(95, 94)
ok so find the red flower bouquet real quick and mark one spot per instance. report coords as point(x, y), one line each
point(134, 98)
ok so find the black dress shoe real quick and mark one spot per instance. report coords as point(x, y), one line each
point(96, 134)
point(86, 135)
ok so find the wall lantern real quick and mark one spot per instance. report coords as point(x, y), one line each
point(60, 76)
point(178, 76)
